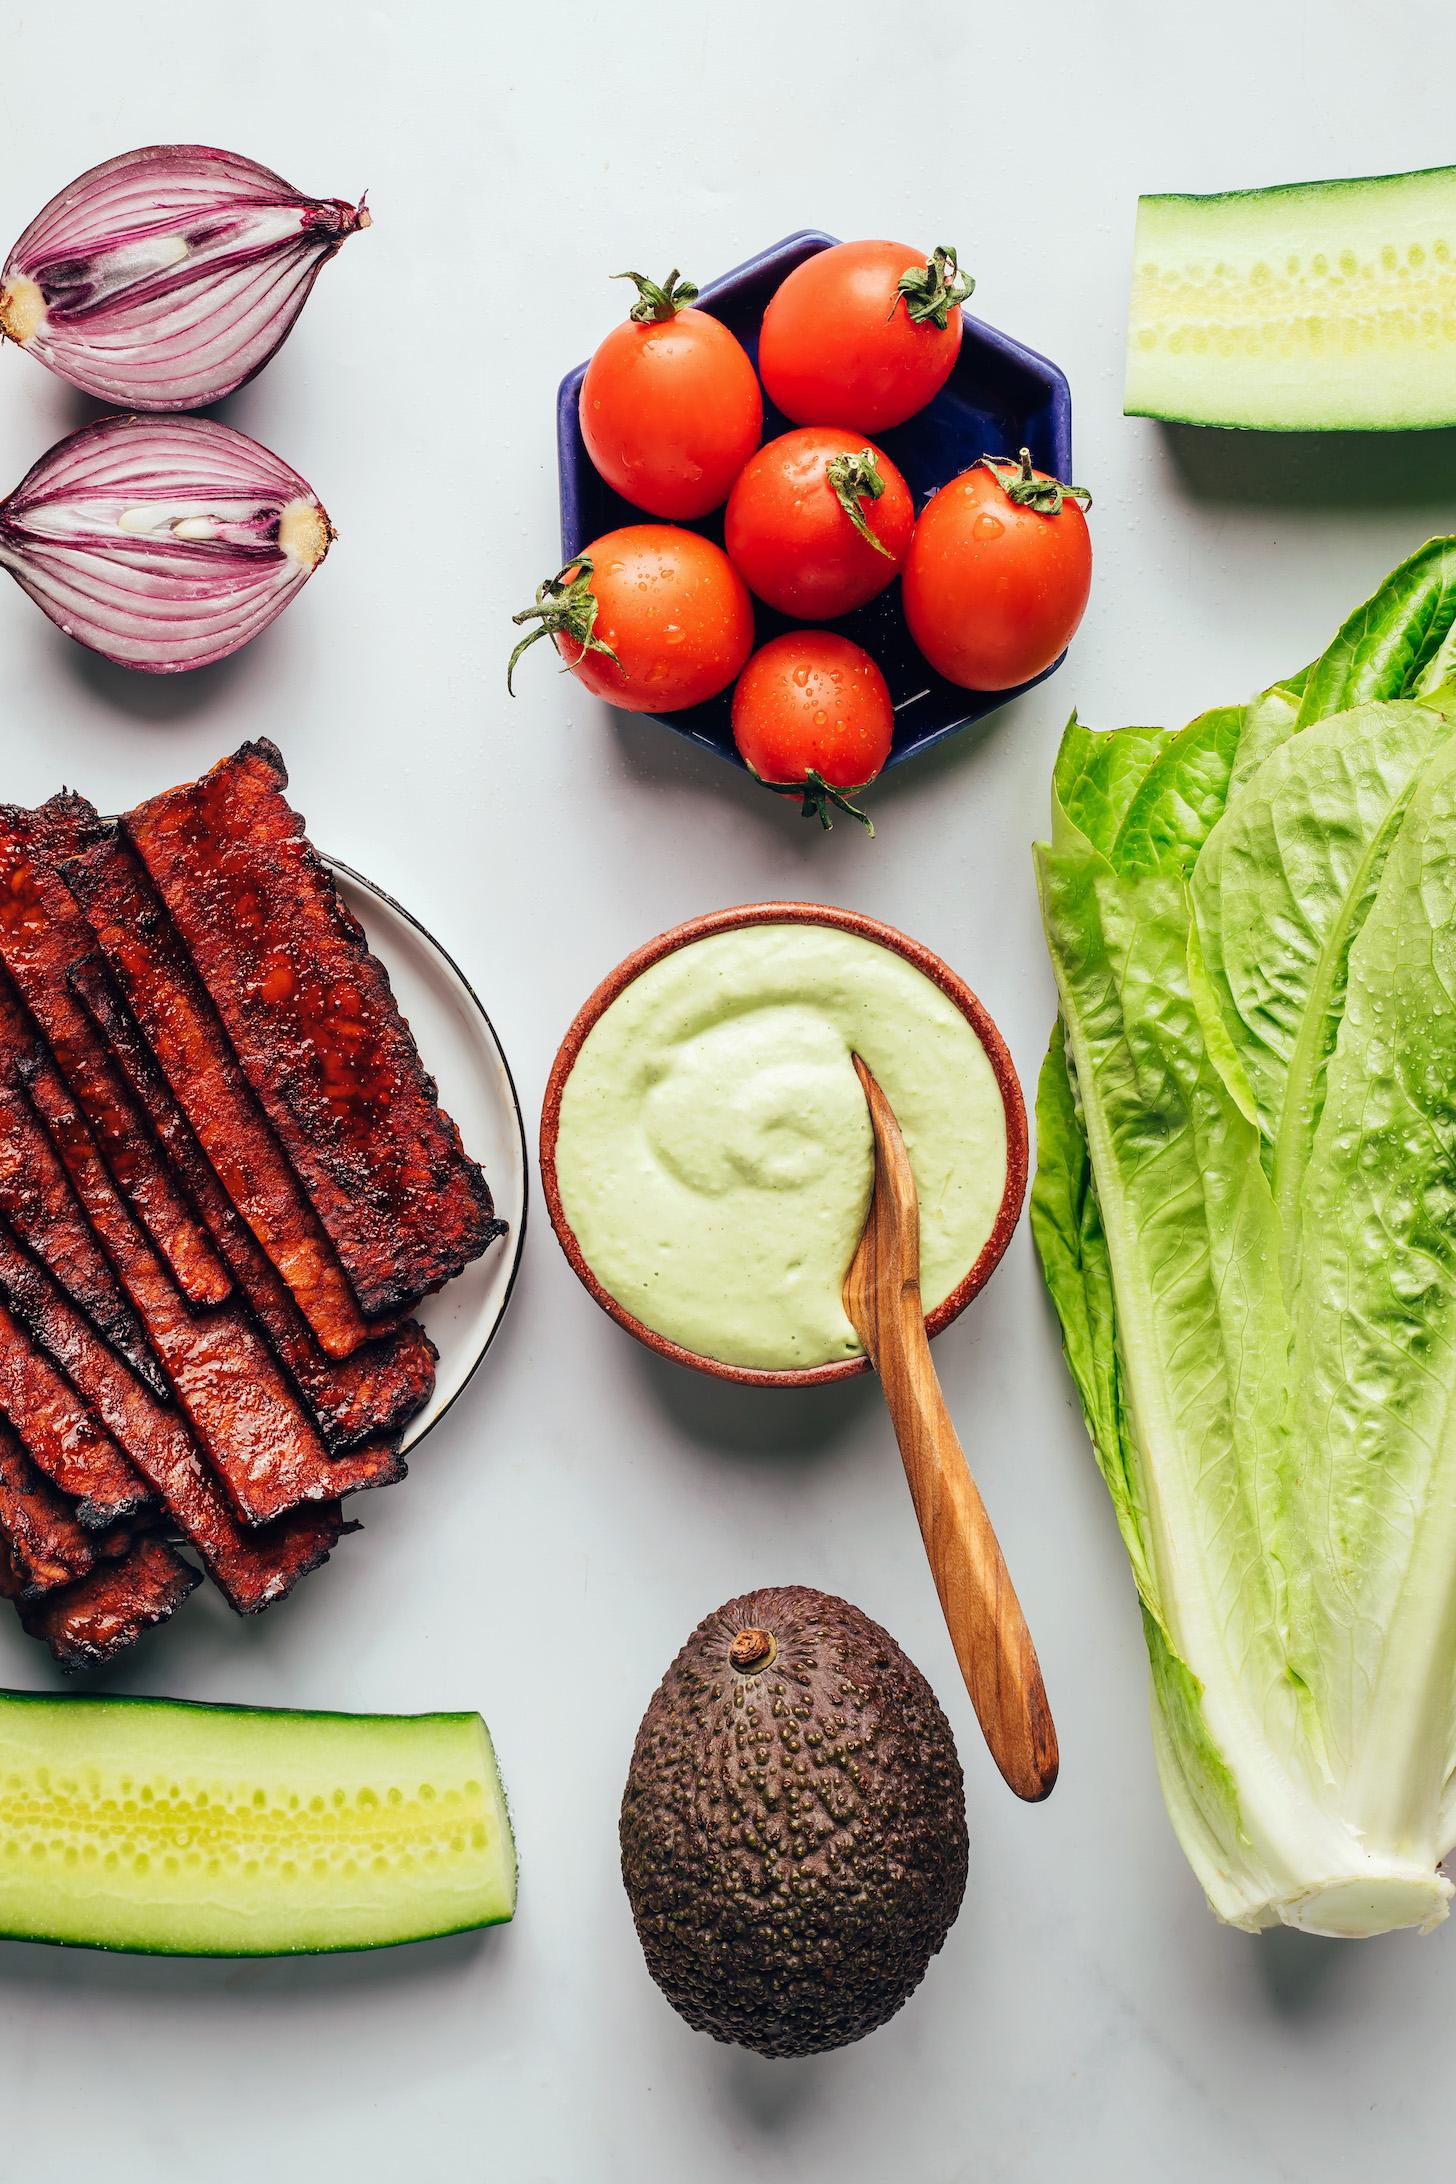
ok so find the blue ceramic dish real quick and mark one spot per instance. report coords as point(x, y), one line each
point(999, 398)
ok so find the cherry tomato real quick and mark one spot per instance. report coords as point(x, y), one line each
point(650, 618)
point(862, 335)
point(998, 574)
point(818, 522)
point(812, 716)
point(670, 406)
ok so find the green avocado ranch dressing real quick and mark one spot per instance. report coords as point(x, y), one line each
point(714, 1154)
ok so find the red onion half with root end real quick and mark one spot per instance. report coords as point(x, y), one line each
point(162, 542)
point(165, 278)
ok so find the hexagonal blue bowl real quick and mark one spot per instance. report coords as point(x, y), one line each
point(999, 398)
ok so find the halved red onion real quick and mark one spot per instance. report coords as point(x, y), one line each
point(162, 542)
point(165, 278)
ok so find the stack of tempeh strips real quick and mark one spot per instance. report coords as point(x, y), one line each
point(224, 1180)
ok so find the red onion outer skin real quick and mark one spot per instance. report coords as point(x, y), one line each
point(163, 543)
point(165, 278)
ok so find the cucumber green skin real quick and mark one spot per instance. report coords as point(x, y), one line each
point(456, 1833)
point(1269, 425)
point(1297, 189)
point(1434, 412)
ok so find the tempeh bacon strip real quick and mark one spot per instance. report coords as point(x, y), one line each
point(89, 1623)
point(42, 932)
point(37, 1199)
point(373, 1392)
point(254, 1431)
point(47, 1547)
point(60, 1436)
point(253, 1568)
point(310, 1014)
point(191, 1048)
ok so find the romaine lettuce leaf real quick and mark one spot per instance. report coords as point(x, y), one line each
point(1279, 893)
point(1272, 719)
point(1181, 795)
point(1197, 1782)
point(1373, 1495)
point(1098, 774)
point(1400, 644)
point(1202, 1352)
point(1067, 1225)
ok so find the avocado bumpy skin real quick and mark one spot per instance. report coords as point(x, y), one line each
point(793, 1832)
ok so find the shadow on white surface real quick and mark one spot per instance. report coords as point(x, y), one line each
point(804, 1425)
point(1313, 1978)
point(209, 1653)
point(663, 760)
point(160, 700)
point(98, 1975)
point(1354, 471)
point(773, 2095)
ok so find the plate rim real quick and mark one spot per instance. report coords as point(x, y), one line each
point(382, 894)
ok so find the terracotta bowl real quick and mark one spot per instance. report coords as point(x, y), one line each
point(787, 913)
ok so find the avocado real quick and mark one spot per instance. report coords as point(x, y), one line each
point(793, 1830)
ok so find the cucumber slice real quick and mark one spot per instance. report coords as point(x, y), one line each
point(154, 1825)
point(1324, 306)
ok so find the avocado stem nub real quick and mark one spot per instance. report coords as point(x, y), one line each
point(752, 1651)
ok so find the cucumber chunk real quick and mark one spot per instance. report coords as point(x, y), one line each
point(155, 1825)
point(1323, 306)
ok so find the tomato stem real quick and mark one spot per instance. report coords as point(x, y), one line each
point(659, 300)
point(818, 795)
point(565, 606)
point(856, 478)
point(1025, 489)
point(932, 290)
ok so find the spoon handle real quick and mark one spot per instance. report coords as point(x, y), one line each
point(982, 1612)
point(987, 1628)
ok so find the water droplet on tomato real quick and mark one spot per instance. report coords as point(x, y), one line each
point(801, 677)
point(988, 527)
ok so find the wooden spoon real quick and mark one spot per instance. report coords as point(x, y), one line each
point(982, 1612)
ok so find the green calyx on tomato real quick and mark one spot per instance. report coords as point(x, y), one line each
point(856, 478)
point(1026, 490)
point(817, 796)
point(659, 300)
point(931, 291)
point(566, 606)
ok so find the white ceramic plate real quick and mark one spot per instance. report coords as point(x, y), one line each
point(461, 1051)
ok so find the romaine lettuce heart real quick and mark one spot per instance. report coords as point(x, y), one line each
point(1245, 1208)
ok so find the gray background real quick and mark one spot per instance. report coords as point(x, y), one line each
point(585, 1505)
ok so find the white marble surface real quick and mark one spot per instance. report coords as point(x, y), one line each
point(584, 1506)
